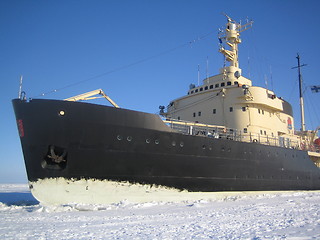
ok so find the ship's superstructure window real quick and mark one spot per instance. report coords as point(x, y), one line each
point(244, 109)
point(231, 109)
point(194, 114)
point(214, 111)
point(245, 130)
point(217, 85)
point(199, 114)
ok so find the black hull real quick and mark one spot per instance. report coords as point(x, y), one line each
point(106, 143)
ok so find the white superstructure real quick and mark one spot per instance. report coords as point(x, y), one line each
point(229, 99)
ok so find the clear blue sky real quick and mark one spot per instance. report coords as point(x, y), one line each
point(54, 44)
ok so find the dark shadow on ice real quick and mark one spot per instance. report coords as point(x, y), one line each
point(18, 198)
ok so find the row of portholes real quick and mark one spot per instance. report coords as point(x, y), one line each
point(129, 139)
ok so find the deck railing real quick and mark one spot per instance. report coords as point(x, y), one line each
point(212, 131)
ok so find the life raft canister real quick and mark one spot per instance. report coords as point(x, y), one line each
point(317, 142)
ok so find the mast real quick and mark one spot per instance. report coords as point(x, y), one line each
point(231, 36)
point(20, 87)
point(303, 125)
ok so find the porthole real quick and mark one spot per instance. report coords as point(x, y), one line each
point(119, 137)
point(156, 141)
point(129, 138)
point(61, 113)
point(147, 140)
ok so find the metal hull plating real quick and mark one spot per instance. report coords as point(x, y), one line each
point(73, 140)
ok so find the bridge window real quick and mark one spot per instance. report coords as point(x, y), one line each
point(223, 84)
point(201, 89)
point(229, 83)
point(206, 88)
point(211, 86)
point(217, 85)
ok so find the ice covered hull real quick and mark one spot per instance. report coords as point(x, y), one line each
point(73, 140)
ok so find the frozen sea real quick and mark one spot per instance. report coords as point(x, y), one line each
point(273, 215)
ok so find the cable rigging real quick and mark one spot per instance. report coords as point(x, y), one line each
point(189, 43)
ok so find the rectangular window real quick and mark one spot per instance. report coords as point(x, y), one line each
point(194, 114)
point(206, 88)
point(217, 85)
point(244, 109)
point(245, 130)
point(229, 83)
point(231, 109)
point(223, 84)
point(211, 86)
point(199, 114)
point(258, 110)
point(214, 111)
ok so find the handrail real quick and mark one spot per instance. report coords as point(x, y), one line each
point(216, 131)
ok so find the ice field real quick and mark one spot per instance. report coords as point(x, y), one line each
point(274, 215)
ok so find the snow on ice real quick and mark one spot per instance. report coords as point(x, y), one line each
point(274, 215)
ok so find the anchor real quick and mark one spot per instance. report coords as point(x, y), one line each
point(55, 157)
